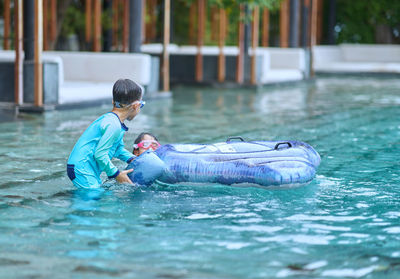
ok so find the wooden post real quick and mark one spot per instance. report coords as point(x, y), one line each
point(221, 44)
point(284, 24)
point(97, 26)
point(240, 58)
point(254, 44)
point(313, 32)
point(88, 21)
point(314, 14)
point(7, 19)
point(125, 27)
point(265, 30)
point(18, 69)
point(45, 25)
point(53, 20)
point(165, 68)
point(38, 67)
point(200, 40)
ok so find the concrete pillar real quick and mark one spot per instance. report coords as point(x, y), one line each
point(331, 22)
point(29, 29)
point(29, 49)
point(305, 16)
point(135, 25)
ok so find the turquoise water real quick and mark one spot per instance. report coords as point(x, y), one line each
point(345, 224)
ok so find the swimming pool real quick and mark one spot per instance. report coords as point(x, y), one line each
point(346, 223)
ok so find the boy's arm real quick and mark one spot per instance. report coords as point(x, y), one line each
point(123, 154)
point(110, 135)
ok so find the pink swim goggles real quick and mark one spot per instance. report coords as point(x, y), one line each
point(146, 144)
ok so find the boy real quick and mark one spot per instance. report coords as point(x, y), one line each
point(103, 140)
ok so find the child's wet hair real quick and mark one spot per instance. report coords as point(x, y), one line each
point(126, 91)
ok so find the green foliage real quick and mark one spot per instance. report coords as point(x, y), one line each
point(74, 20)
point(180, 15)
point(270, 4)
point(357, 20)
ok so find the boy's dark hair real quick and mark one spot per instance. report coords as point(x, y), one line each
point(125, 92)
point(141, 136)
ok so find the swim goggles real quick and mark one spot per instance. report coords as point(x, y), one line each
point(119, 105)
point(146, 144)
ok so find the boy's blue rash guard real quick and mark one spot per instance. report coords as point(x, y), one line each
point(102, 141)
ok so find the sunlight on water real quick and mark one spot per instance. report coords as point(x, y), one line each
point(344, 224)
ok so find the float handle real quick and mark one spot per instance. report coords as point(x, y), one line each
point(279, 143)
point(236, 137)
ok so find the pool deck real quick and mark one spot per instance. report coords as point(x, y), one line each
point(84, 79)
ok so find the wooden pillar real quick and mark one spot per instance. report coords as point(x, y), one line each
point(167, 21)
point(265, 25)
point(88, 21)
point(284, 24)
point(53, 20)
point(7, 20)
point(97, 26)
point(45, 25)
point(125, 27)
point(313, 33)
point(254, 44)
point(200, 39)
point(38, 67)
point(18, 69)
point(221, 43)
point(314, 14)
point(240, 58)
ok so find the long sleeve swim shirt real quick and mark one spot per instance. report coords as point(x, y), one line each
point(102, 141)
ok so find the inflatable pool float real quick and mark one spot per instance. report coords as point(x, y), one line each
point(236, 163)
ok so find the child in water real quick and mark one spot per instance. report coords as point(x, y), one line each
point(103, 140)
point(144, 142)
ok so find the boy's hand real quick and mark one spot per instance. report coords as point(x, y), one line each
point(122, 177)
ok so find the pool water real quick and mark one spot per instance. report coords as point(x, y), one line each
point(344, 224)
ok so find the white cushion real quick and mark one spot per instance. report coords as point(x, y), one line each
point(359, 67)
point(370, 53)
point(105, 67)
point(326, 54)
point(286, 58)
